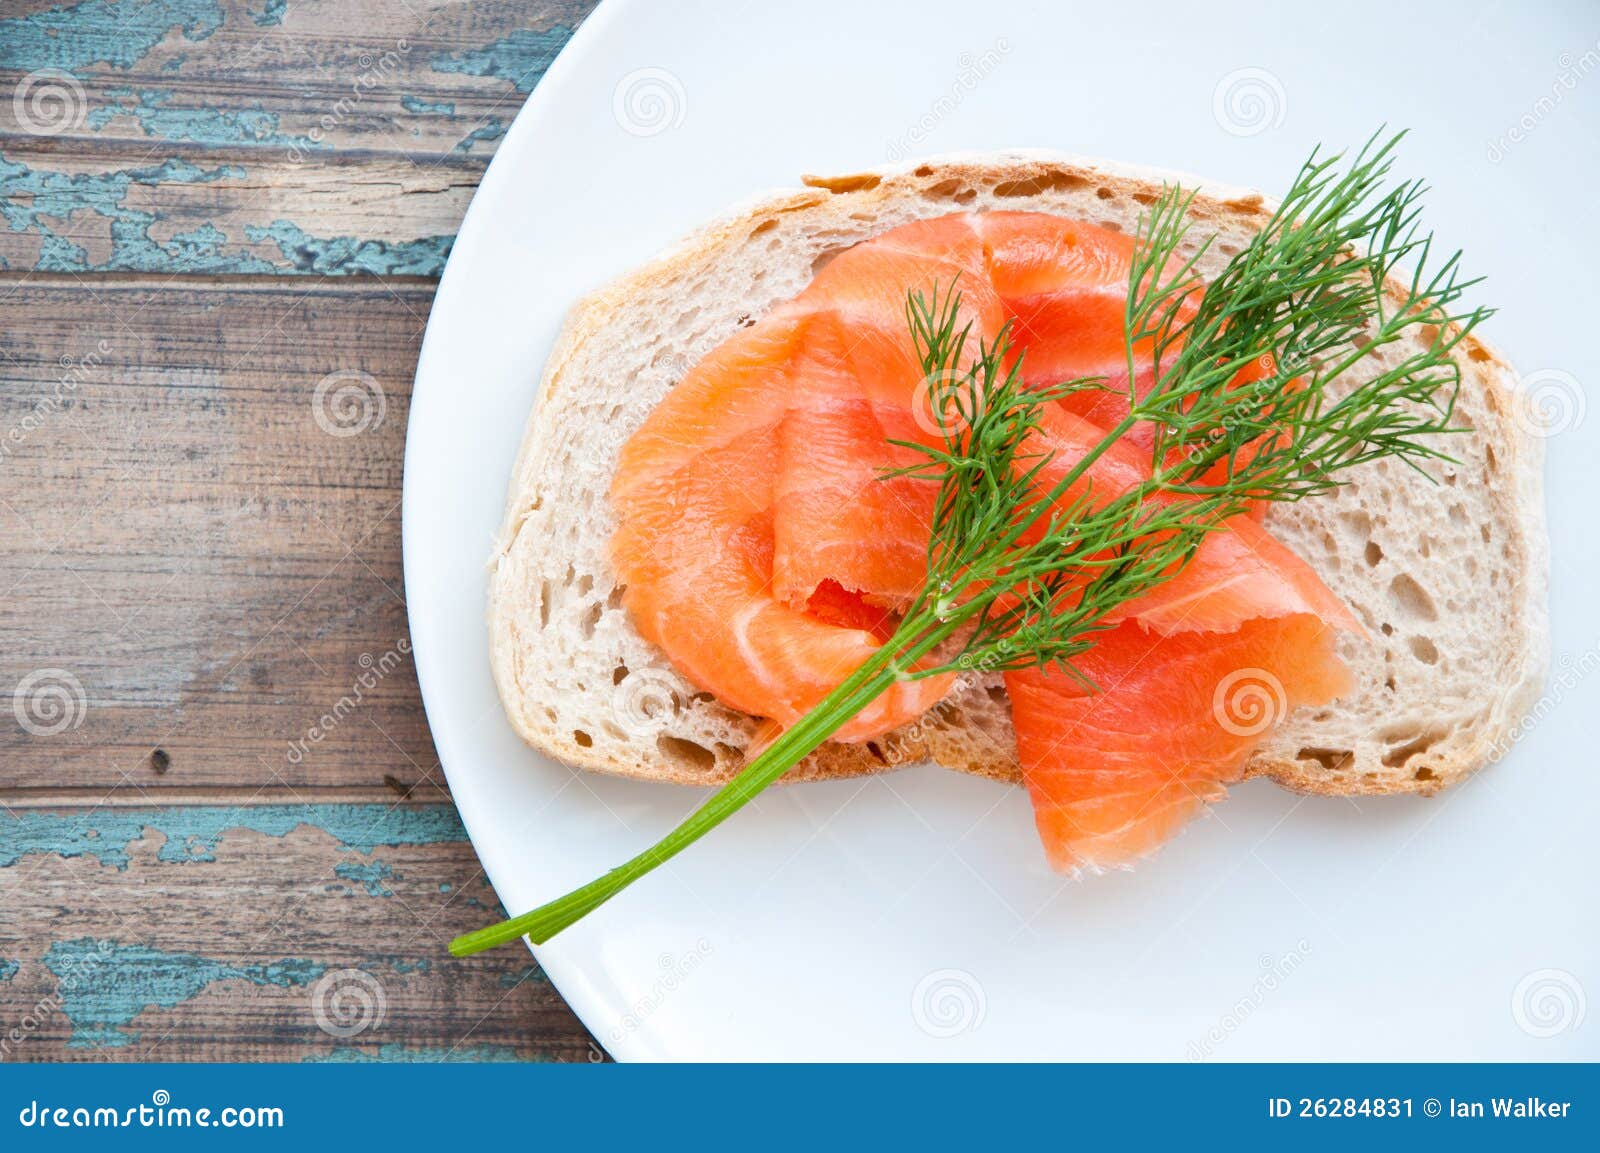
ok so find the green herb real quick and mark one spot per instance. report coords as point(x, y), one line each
point(1023, 574)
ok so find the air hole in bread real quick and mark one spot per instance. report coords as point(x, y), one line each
point(582, 739)
point(1145, 198)
point(1410, 747)
point(766, 225)
point(839, 185)
point(1386, 629)
point(1373, 553)
point(1334, 760)
point(590, 619)
point(823, 259)
point(1388, 682)
point(1458, 514)
point(1424, 650)
point(544, 604)
point(965, 196)
point(1423, 774)
point(872, 747)
point(1228, 249)
point(944, 190)
point(746, 321)
point(585, 583)
point(1050, 180)
point(614, 597)
point(619, 674)
point(1104, 193)
point(1490, 459)
point(1483, 531)
point(1111, 225)
point(1478, 353)
point(1412, 598)
point(922, 170)
point(687, 753)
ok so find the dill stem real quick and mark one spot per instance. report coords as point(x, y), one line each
point(914, 639)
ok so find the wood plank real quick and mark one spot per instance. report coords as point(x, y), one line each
point(284, 932)
point(203, 576)
point(239, 136)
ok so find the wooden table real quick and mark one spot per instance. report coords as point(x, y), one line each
point(224, 833)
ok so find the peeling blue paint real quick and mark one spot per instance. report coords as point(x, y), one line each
point(370, 877)
point(73, 36)
point(395, 1052)
point(510, 980)
point(422, 107)
point(271, 15)
point(104, 985)
point(520, 58)
point(8, 970)
point(192, 834)
point(424, 256)
point(249, 126)
point(494, 129)
point(33, 201)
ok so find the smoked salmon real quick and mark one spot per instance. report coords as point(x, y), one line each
point(763, 549)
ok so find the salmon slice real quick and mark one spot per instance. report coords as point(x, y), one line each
point(1114, 774)
point(763, 549)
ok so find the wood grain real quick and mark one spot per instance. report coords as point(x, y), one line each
point(210, 571)
point(223, 830)
point(243, 136)
point(289, 932)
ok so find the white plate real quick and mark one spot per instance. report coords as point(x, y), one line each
point(911, 916)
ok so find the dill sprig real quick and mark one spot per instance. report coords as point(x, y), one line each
point(1024, 574)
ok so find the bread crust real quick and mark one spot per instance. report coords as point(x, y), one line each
point(700, 742)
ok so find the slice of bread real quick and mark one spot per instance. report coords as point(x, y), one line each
point(1448, 578)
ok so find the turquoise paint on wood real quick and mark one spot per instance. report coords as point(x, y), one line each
point(8, 970)
point(104, 985)
point(74, 36)
point(422, 107)
point(520, 58)
point(192, 834)
point(271, 15)
point(493, 129)
point(368, 876)
point(250, 127)
point(424, 256)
